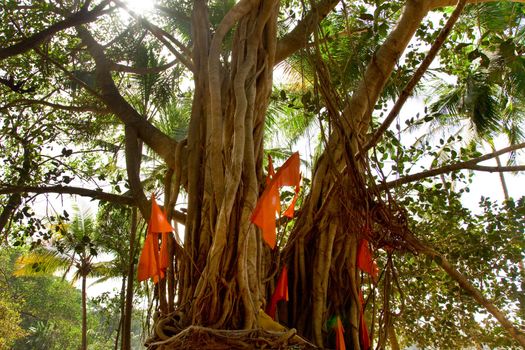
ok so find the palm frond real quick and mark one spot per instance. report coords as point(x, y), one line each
point(41, 262)
point(482, 105)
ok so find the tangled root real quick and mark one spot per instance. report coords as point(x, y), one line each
point(195, 337)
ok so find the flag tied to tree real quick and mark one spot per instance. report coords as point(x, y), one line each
point(364, 339)
point(339, 335)
point(269, 204)
point(365, 261)
point(152, 263)
point(280, 293)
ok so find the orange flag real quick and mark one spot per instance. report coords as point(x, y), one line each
point(288, 174)
point(339, 335)
point(280, 293)
point(269, 203)
point(148, 266)
point(264, 213)
point(151, 264)
point(365, 261)
point(364, 339)
point(157, 220)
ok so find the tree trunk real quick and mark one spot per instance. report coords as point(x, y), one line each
point(121, 318)
point(84, 313)
point(223, 271)
point(128, 310)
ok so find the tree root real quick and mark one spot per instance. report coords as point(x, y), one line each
point(196, 337)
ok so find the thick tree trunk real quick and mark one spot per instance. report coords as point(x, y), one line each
point(222, 274)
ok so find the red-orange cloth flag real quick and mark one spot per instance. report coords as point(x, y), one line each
point(151, 263)
point(339, 335)
point(157, 220)
point(288, 174)
point(148, 266)
point(269, 203)
point(264, 213)
point(364, 339)
point(365, 261)
point(280, 293)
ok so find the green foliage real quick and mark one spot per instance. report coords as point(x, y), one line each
point(49, 307)
point(10, 329)
point(487, 247)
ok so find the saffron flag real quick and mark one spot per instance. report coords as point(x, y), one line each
point(280, 293)
point(339, 335)
point(268, 204)
point(364, 339)
point(365, 261)
point(264, 213)
point(148, 262)
point(157, 220)
point(152, 263)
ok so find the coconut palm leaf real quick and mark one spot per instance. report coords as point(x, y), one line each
point(42, 262)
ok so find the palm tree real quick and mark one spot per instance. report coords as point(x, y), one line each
point(73, 248)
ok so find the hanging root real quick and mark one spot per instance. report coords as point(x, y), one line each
point(196, 337)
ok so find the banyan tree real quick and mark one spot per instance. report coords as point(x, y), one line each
point(98, 63)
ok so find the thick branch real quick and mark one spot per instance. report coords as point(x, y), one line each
point(298, 37)
point(95, 194)
point(81, 17)
point(407, 91)
point(159, 142)
point(473, 291)
point(178, 216)
point(133, 159)
point(359, 109)
point(469, 164)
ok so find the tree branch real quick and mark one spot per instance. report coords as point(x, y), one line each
point(178, 216)
point(298, 37)
point(407, 91)
point(469, 164)
point(359, 109)
point(465, 284)
point(498, 169)
point(28, 102)
point(133, 159)
point(82, 17)
point(433, 4)
point(159, 142)
point(95, 194)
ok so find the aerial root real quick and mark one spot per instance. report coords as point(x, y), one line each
point(196, 337)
